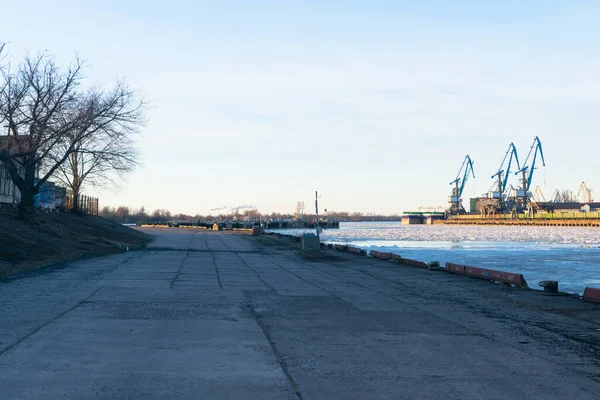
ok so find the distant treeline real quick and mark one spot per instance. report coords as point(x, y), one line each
point(123, 214)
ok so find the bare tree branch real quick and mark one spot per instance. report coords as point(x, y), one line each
point(106, 151)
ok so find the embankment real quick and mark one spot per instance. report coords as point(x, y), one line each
point(509, 277)
point(51, 238)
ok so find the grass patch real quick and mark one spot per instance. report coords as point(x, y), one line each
point(49, 238)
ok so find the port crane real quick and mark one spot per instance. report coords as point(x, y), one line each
point(586, 194)
point(523, 193)
point(495, 200)
point(555, 197)
point(498, 190)
point(538, 196)
point(299, 210)
point(454, 199)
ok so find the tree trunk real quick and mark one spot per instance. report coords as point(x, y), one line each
point(26, 206)
point(76, 189)
point(27, 188)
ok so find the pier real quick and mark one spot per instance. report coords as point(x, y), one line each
point(581, 219)
point(299, 224)
point(537, 222)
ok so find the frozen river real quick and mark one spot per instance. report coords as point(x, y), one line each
point(569, 255)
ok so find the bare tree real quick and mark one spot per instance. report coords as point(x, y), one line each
point(47, 118)
point(33, 101)
point(566, 196)
point(106, 156)
point(161, 214)
point(252, 213)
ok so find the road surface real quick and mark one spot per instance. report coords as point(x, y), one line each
point(214, 315)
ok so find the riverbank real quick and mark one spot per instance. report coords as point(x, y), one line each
point(55, 238)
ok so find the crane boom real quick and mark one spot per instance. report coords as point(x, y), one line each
point(503, 179)
point(586, 193)
point(538, 195)
point(526, 180)
point(467, 166)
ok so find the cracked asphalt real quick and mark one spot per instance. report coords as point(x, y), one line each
point(218, 315)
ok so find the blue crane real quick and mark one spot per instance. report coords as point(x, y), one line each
point(459, 185)
point(503, 179)
point(526, 179)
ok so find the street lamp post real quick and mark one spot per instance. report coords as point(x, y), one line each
point(317, 211)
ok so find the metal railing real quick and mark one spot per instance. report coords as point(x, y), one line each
point(83, 204)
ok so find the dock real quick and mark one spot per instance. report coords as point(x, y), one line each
point(301, 224)
point(576, 219)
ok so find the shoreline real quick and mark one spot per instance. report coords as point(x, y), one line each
point(577, 289)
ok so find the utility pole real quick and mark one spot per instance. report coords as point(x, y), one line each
point(317, 210)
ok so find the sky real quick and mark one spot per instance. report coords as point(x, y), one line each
point(373, 103)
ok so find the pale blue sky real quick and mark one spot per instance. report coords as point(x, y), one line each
point(373, 103)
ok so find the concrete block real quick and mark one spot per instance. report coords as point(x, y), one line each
point(354, 250)
point(310, 243)
point(500, 276)
point(455, 268)
point(381, 255)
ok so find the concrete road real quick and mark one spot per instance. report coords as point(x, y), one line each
point(212, 315)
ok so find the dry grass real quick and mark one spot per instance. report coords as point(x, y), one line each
point(57, 237)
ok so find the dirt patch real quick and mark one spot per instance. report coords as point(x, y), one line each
point(50, 238)
point(324, 256)
point(276, 242)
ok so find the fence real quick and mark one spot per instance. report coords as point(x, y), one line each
point(85, 204)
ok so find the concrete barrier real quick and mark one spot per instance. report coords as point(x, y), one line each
point(398, 259)
point(591, 294)
point(455, 268)
point(381, 255)
point(354, 250)
point(500, 276)
point(412, 263)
